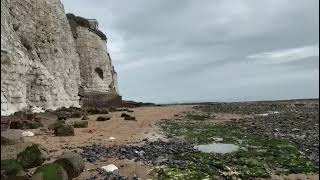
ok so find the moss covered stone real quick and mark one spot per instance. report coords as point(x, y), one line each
point(31, 157)
point(50, 171)
point(10, 168)
point(64, 130)
point(80, 124)
point(72, 163)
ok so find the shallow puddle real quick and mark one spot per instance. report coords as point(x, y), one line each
point(217, 148)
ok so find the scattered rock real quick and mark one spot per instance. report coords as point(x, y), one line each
point(64, 130)
point(103, 118)
point(147, 153)
point(32, 156)
point(72, 163)
point(109, 168)
point(50, 171)
point(80, 124)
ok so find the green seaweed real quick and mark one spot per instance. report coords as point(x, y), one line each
point(51, 171)
point(10, 168)
point(258, 157)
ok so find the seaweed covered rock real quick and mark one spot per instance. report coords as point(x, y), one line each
point(64, 130)
point(72, 163)
point(32, 156)
point(103, 118)
point(50, 171)
point(80, 124)
point(25, 124)
point(9, 169)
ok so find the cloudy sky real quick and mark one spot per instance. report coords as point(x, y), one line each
point(210, 50)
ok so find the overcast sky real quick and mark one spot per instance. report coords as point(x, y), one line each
point(210, 50)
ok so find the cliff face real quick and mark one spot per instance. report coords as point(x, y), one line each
point(43, 64)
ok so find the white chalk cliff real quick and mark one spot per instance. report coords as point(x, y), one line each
point(46, 61)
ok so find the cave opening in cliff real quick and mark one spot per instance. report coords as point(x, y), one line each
point(99, 72)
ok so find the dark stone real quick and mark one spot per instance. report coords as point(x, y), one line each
point(103, 118)
point(125, 115)
point(129, 118)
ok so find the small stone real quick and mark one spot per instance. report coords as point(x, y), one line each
point(125, 115)
point(109, 168)
point(112, 138)
point(27, 134)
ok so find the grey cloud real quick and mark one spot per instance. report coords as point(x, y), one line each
point(168, 50)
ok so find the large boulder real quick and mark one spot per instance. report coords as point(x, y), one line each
point(72, 163)
point(50, 171)
point(64, 130)
point(9, 169)
point(80, 124)
point(32, 156)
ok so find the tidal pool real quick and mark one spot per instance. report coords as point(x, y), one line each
point(217, 148)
